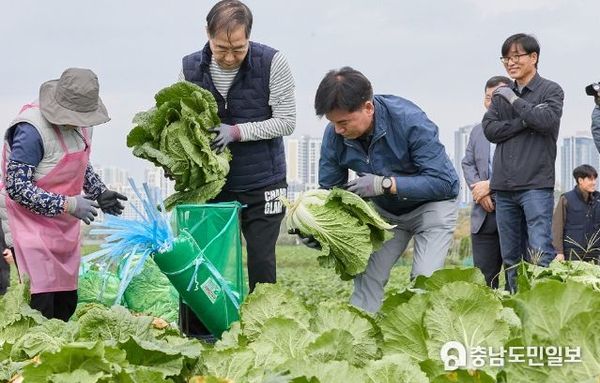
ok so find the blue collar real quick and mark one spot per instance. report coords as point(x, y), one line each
point(379, 128)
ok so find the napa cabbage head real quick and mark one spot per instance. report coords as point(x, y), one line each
point(346, 226)
point(175, 135)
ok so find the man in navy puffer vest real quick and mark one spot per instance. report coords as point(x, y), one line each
point(576, 220)
point(254, 89)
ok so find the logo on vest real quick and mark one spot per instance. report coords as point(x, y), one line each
point(272, 203)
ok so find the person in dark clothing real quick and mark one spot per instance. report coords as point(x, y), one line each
point(6, 259)
point(596, 121)
point(254, 89)
point(576, 220)
point(477, 169)
point(523, 121)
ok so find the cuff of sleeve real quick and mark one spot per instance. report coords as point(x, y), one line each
point(519, 104)
point(239, 132)
point(101, 189)
point(69, 205)
point(377, 186)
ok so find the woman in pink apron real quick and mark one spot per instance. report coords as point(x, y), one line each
point(46, 167)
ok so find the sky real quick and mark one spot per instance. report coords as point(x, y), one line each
point(437, 54)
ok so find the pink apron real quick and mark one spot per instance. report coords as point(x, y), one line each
point(48, 248)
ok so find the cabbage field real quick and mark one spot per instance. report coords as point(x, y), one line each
point(303, 330)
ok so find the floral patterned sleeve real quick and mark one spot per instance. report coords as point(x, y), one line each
point(92, 184)
point(22, 189)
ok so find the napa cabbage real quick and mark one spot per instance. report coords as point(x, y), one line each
point(346, 226)
point(174, 135)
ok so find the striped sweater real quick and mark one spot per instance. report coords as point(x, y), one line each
point(282, 99)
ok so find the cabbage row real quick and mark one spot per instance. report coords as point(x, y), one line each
point(280, 338)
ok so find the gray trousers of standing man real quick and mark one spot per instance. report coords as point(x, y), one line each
point(432, 227)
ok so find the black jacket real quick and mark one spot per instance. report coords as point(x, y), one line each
point(525, 133)
point(4, 266)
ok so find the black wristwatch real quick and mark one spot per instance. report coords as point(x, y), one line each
point(386, 185)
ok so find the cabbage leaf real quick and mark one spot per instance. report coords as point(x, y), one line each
point(174, 135)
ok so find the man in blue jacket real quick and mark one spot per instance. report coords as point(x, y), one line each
point(402, 167)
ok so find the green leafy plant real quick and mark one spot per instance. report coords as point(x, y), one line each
point(174, 135)
point(282, 339)
point(347, 227)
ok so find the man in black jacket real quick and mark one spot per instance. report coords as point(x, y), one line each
point(523, 120)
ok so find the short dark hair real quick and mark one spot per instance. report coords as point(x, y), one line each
point(227, 15)
point(346, 89)
point(528, 42)
point(583, 171)
point(496, 80)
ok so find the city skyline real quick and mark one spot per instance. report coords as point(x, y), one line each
point(137, 167)
point(302, 162)
point(302, 157)
point(572, 151)
point(117, 179)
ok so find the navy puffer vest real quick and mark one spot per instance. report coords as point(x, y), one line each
point(582, 225)
point(255, 164)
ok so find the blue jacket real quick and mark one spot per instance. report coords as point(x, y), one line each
point(405, 145)
point(254, 164)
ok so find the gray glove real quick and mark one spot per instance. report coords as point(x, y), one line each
point(226, 134)
point(369, 185)
point(506, 93)
point(308, 240)
point(82, 207)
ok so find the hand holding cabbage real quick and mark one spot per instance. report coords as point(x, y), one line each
point(348, 229)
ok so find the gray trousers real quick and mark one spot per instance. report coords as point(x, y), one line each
point(432, 226)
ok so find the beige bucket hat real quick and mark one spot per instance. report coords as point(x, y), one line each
point(73, 99)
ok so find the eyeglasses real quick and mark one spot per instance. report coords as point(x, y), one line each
point(235, 52)
point(513, 58)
